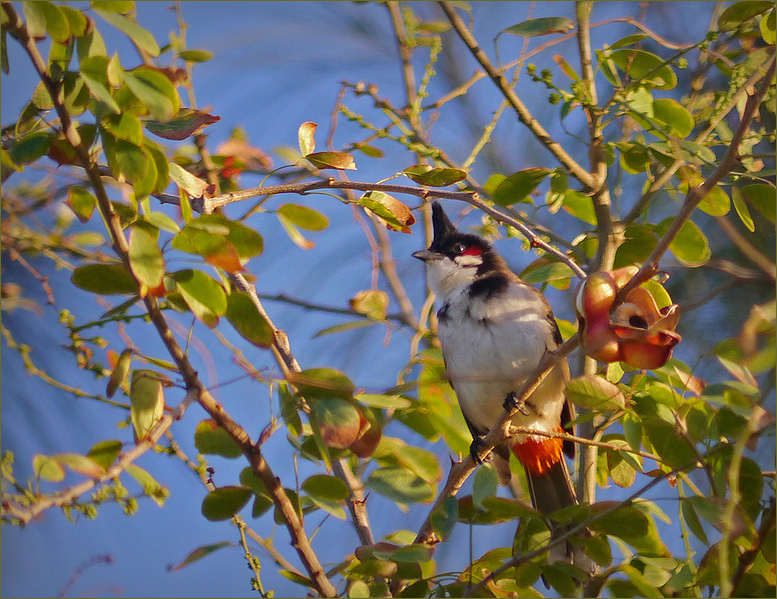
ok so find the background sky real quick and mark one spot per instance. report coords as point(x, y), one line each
point(276, 65)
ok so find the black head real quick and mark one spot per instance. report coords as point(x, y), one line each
point(466, 250)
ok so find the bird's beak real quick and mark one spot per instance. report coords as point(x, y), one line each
point(426, 255)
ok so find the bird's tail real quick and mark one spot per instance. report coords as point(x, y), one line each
point(550, 487)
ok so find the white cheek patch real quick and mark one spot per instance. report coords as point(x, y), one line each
point(468, 261)
point(448, 277)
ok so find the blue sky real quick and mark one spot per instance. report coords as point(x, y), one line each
point(276, 65)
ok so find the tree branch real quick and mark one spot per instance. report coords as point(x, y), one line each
point(524, 116)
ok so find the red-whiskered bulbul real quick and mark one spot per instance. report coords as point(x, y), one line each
point(494, 329)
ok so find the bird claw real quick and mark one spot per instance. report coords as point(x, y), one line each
point(475, 449)
point(511, 402)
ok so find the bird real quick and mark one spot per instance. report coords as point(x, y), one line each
point(494, 330)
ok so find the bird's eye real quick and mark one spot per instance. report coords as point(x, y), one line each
point(459, 248)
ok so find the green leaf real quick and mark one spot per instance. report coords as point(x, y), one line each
point(629, 40)
point(247, 242)
point(768, 27)
point(400, 485)
point(716, 202)
point(155, 90)
point(641, 584)
point(248, 322)
point(372, 303)
point(191, 184)
point(48, 469)
point(484, 486)
point(199, 553)
point(185, 123)
point(626, 522)
point(640, 242)
point(518, 186)
point(672, 113)
point(498, 509)
point(94, 71)
point(76, 19)
point(383, 401)
point(204, 296)
point(580, 206)
point(41, 98)
point(123, 126)
point(541, 26)
point(443, 519)
point(120, 6)
point(225, 502)
point(161, 221)
point(80, 464)
point(643, 67)
point(742, 210)
point(740, 12)
point(81, 202)
point(690, 246)
point(104, 279)
point(210, 438)
point(196, 55)
point(145, 256)
point(140, 36)
point(105, 453)
point(670, 446)
point(539, 272)
point(149, 484)
point(294, 233)
point(57, 24)
point(423, 174)
point(326, 488)
point(595, 393)
point(127, 161)
point(148, 401)
point(322, 382)
point(35, 19)
point(304, 217)
point(162, 173)
point(336, 160)
point(391, 211)
point(346, 326)
point(120, 372)
point(30, 147)
point(761, 196)
point(91, 44)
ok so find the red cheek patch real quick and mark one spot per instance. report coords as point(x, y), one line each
point(472, 250)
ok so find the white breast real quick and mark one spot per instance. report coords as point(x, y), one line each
point(490, 349)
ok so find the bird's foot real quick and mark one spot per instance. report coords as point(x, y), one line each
point(511, 403)
point(475, 448)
